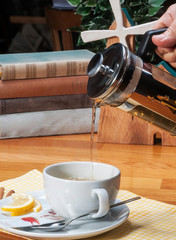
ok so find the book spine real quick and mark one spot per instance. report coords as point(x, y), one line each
point(43, 69)
point(43, 87)
point(46, 103)
point(47, 123)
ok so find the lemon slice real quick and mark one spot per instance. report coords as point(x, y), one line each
point(36, 208)
point(21, 203)
point(19, 213)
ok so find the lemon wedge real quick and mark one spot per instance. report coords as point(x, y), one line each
point(21, 203)
point(37, 206)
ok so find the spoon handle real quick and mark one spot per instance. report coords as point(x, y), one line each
point(125, 201)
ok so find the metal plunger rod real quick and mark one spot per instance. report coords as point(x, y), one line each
point(106, 70)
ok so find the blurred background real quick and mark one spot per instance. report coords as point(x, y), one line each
point(23, 26)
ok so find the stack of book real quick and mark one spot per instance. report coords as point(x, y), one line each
point(44, 94)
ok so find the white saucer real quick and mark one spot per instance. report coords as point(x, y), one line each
point(81, 228)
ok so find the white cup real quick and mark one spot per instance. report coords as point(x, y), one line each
point(76, 188)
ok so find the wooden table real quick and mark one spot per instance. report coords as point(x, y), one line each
point(146, 170)
point(149, 171)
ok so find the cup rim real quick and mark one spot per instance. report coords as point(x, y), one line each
point(81, 162)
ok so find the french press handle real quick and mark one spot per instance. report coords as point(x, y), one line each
point(146, 50)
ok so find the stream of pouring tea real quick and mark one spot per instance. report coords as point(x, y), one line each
point(94, 107)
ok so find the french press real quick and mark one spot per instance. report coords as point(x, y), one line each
point(122, 79)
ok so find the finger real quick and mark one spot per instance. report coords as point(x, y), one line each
point(163, 51)
point(168, 38)
point(173, 64)
point(168, 55)
point(167, 18)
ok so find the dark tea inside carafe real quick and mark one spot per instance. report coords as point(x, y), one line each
point(156, 95)
point(158, 86)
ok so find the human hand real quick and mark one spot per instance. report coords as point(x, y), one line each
point(166, 42)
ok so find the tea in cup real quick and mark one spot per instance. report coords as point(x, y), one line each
point(76, 188)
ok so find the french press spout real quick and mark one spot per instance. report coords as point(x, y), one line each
point(122, 79)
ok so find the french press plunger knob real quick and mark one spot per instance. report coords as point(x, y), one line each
point(96, 65)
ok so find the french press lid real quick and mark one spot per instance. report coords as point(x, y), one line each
point(105, 71)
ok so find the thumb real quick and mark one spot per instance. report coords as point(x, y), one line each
point(166, 39)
